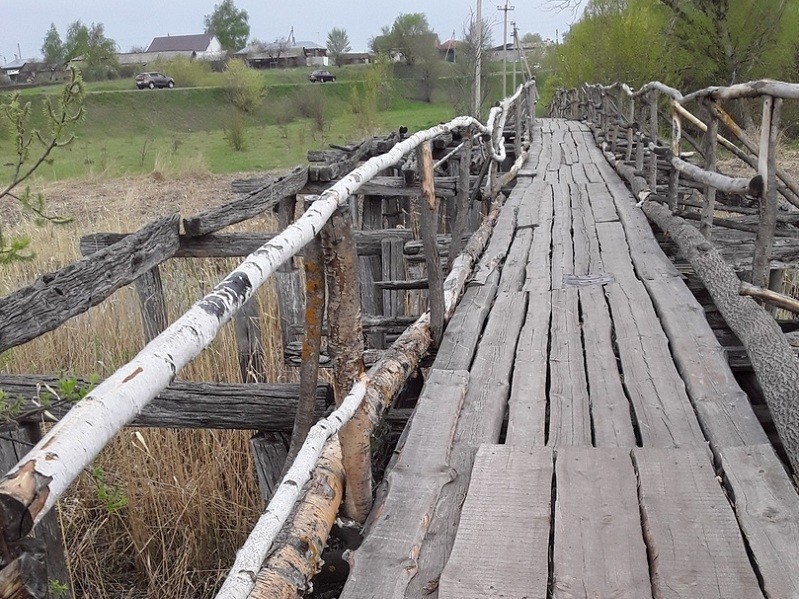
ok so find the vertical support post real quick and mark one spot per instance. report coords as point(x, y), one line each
point(709, 144)
point(517, 136)
point(653, 134)
point(767, 166)
point(630, 119)
point(462, 206)
point(345, 342)
point(268, 451)
point(152, 304)
point(372, 269)
point(674, 174)
point(428, 218)
point(247, 326)
point(287, 279)
point(639, 139)
point(604, 114)
point(314, 266)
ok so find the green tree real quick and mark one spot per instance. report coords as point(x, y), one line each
point(230, 25)
point(338, 43)
point(96, 51)
point(411, 36)
point(53, 48)
point(61, 118)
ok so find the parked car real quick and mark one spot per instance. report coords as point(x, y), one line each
point(321, 76)
point(153, 80)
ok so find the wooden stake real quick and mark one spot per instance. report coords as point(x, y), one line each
point(709, 143)
point(429, 221)
point(772, 297)
point(767, 167)
point(653, 134)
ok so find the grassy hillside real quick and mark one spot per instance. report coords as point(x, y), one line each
point(130, 131)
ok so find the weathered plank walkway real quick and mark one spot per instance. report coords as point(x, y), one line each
point(581, 434)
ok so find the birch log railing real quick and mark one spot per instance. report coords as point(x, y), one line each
point(765, 204)
point(30, 490)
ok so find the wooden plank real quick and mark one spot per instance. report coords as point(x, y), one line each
point(610, 408)
point(465, 327)
point(498, 246)
point(539, 277)
point(723, 408)
point(767, 507)
point(663, 411)
point(502, 545)
point(480, 422)
point(569, 415)
point(601, 203)
point(514, 270)
point(599, 548)
point(527, 405)
point(690, 528)
point(653, 264)
point(259, 406)
point(56, 297)
point(530, 205)
point(386, 561)
point(236, 245)
point(562, 252)
point(249, 347)
point(246, 207)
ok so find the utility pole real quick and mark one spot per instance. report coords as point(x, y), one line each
point(506, 9)
point(516, 45)
point(478, 35)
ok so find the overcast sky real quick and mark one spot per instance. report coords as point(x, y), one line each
point(135, 23)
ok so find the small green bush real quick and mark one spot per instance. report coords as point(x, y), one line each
point(311, 105)
point(235, 134)
point(185, 72)
point(244, 87)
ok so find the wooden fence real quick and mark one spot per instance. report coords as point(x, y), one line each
point(755, 215)
point(457, 170)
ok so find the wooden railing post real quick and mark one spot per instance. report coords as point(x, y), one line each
point(630, 130)
point(653, 134)
point(152, 304)
point(639, 138)
point(462, 204)
point(314, 266)
point(517, 117)
point(345, 343)
point(428, 222)
point(709, 143)
point(767, 167)
point(674, 174)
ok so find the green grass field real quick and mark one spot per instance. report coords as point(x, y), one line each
point(130, 131)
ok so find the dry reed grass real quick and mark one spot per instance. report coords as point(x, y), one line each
point(185, 500)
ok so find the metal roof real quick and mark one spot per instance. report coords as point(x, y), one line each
point(171, 43)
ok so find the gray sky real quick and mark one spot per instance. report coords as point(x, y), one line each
point(135, 23)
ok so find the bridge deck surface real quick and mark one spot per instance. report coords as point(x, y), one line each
point(580, 433)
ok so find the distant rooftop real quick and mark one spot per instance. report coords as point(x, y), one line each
point(198, 42)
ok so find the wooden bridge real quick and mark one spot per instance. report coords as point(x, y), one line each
point(580, 432)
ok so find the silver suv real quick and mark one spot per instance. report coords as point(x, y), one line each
point(153, 80)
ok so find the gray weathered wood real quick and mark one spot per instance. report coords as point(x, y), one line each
point(371, 269)
point(246, 207)
point(428, 225)
point(269, 454)
point(56, 297)
point(152, 303)
point(386, 561)
point(480, 422)
point(506, 515)
point(768, 197)
point(235, 245)
point(249, 347)
point(723, 408)
point(569, 415)
point(691, 529)
point(259, 406)
point(599, 548)
point(767, 507)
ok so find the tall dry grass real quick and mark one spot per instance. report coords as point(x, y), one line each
point(164, 511)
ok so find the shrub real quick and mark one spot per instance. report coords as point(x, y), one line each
point(235, 134)
point(185, 72)
point(244, 87)
point(311, 105)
